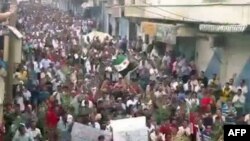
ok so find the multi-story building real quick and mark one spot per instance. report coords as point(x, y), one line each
point(214, 33)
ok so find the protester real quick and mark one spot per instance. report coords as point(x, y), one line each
point(22, 134)
point(35, 132)
point(101, 138)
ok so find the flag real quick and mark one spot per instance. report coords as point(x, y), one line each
point(122, 64)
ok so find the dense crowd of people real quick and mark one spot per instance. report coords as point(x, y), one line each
point(65, 78)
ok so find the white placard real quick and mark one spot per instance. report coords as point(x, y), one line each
point(131, 129)
point(126, 124)
point(82, 132)
point(135, 135)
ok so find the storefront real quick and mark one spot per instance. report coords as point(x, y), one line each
point(164, 34)
point(227, 50)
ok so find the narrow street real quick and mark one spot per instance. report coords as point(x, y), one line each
point(122, 71)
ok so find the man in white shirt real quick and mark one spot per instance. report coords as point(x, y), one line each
point(192, 101)
point(26, 94)
point(184, 129)
point(219, 115)
point(20, 102)
point(36, 67)
point(35, 132)
point(55, 43)
point(174, 84)
point(45, 63)
point(58, 95)
point(159, 93)
point(214, 80)
point(132, 102)
point(153, 73)
point(239, 102)
point(22, 134)
point(86, 102)
point(157, 135)
point(231, 85)
point(166, 60)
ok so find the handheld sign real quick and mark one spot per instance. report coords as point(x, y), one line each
point(82, 132)
point(131, 129)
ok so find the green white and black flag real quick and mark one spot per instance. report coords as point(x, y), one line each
point(122, 64)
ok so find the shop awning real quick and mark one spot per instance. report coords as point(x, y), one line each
point(222, 28)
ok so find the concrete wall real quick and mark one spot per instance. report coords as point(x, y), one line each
point(184, 2)
point(206, 57)
point(226, 61)
point(234, 12)
point(238, 56)
point(123, 27)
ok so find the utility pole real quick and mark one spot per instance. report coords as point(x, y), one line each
point(11, 63)
point(10, 72)
point(102, 15)
point(101, 4)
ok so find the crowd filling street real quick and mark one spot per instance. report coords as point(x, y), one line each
point(66, 78)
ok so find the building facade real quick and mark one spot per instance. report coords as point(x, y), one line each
point(212, 32)
point(217, 11)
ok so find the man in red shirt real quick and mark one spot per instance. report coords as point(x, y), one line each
point(165, 129)
point(51, 122)
point(206, 102)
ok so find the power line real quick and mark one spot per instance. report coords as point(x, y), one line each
point(169, 12)
point(158, 14)
point(165, 17)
